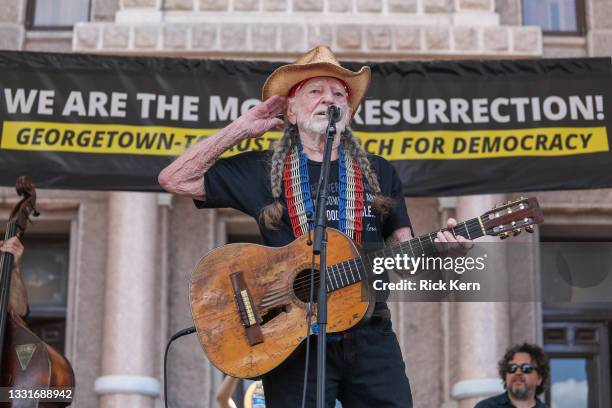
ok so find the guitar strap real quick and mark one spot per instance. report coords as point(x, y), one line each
point(299, 198)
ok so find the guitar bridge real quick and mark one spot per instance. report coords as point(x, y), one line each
point(246, 309)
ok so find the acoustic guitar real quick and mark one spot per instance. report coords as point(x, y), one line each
point(249, 302)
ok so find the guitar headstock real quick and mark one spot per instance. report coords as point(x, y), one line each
point(512, 217)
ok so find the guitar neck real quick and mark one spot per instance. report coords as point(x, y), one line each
point(355, 270)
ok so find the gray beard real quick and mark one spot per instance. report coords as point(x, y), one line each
point(318, 128)
point(521, 394)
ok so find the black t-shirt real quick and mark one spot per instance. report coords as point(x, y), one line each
point(243, 182)
point(503, 401)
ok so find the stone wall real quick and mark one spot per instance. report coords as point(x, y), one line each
point(14, 36)
point(373, 40)
point(355, 28)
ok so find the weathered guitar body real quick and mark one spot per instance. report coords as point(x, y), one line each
point(270, 275)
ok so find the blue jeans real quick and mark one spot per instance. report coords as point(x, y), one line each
point(364, 369)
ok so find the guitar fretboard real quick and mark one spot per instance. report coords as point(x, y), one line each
point(355, 270)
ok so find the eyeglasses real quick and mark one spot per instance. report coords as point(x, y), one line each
point(525, 368)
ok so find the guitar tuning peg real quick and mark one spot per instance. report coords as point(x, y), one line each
point(508, 202)
point(529, 229)
point(516, 232)
point(504, 235)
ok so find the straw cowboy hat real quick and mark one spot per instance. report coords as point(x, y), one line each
point(318, 62)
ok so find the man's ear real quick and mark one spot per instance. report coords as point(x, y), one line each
point(291, 116)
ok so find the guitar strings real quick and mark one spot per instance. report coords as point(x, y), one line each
point(304, 282)
point(402, 246)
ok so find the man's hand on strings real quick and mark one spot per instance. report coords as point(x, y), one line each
point(450, 244)
point(263, 116)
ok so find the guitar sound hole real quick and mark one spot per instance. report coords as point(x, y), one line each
point(301, 285)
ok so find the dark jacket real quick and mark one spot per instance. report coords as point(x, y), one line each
point(502, 401)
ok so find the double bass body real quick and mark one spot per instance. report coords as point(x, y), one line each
point(30, 364)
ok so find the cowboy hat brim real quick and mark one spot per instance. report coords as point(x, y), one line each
point(284, 78)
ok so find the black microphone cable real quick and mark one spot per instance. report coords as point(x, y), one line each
point(175, 336)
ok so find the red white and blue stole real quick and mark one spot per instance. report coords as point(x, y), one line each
point(299, 198)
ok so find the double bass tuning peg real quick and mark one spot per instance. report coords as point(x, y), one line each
point(529, 229)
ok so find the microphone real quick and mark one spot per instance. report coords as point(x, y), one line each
point(334, 113)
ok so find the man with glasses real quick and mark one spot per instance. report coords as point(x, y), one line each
point(525, 372)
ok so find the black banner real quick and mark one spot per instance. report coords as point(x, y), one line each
point(450, 128)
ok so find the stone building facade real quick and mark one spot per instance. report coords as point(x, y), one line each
point(131, 254)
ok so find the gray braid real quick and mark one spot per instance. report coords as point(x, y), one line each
point(272, 213)
point(361, 157)
point(381, 203)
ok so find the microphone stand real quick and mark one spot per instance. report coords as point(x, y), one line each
point(320, 248)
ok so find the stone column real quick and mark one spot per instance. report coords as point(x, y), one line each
point(599, 24)
point(129, 336)
point(482, 330)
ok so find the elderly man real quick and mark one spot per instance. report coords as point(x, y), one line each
point(525, 373)
point(364, 366)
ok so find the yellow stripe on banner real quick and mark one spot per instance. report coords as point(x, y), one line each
point(485, 144)
point(413, 145)
point(114, 139)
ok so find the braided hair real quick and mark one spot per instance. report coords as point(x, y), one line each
point(381, 203)
point(272, 213)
